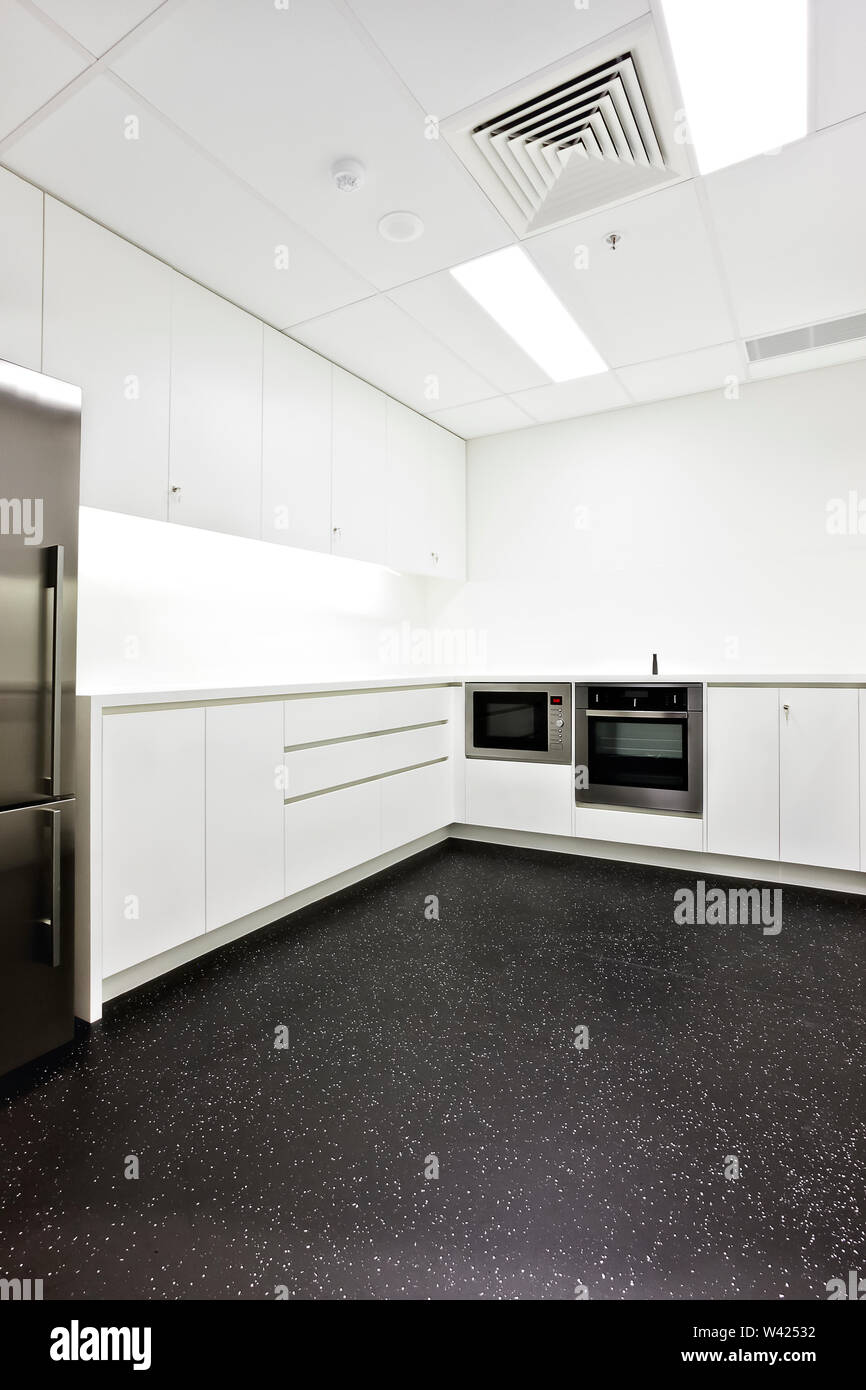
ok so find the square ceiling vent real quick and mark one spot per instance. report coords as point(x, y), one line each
point(578, 137)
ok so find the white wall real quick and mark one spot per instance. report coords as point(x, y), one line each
point(704, 536)
point(164, 607)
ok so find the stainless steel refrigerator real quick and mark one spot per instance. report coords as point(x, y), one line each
point(39, 476)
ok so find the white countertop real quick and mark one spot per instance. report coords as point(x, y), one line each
point(264, 692)
point(259, 692)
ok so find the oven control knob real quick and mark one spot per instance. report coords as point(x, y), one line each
point(559, 723)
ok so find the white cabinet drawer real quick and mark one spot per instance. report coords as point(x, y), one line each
point(638, 828)
point(402, 707)
point(314, 769)
point(327, 834)
point(331, 716)
point(414, 803)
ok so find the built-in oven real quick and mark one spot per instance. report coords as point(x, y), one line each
point(639, 745)
point(519, 722)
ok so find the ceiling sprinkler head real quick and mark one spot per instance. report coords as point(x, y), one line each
point(613, 240)
point(348, 175)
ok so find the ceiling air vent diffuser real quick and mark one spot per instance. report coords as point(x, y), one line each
point(817, 335)
point(572, 141)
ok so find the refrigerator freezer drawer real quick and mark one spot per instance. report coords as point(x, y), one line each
point(36, 931)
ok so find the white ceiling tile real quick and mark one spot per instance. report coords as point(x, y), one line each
point(96, 23)
point(658, 293)
point(566, 399)
point(483, 417)
point(830, 356)
point(381, 343)
point(279, 94)
point(162, 194)
point(452, 53)
point(790, 230)
point(445, 309)
point(838, 41)
point(708, 369)
point(37, 62)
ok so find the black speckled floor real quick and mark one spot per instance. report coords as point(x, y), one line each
point(409, 1038)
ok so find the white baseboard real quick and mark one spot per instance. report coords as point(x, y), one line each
point(765, 870)
point(801, 875)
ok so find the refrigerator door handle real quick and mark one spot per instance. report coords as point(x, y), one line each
point(50, 955)
point(55, 582)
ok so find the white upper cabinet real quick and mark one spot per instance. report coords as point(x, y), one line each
point(296, 444)
point(107, 329)
point(819, 780)
point(20, 271)
point(426, 496)
point(360, 469)
point(215, 445)
point(448, 504)
point(743, 771)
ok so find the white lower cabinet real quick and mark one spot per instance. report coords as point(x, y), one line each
point(329, 833)
point(783, 774)
point(819, 779)
point(743, 771)
point(862, 695)
point(244, 809)
point(519, 796)
point(415, 803)
point(153, 836)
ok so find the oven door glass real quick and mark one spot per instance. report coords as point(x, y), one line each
point(513, 721)
point(630, 752)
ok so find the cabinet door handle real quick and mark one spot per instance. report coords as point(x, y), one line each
point(175, 491)
point(434, 557)
point(787, 709)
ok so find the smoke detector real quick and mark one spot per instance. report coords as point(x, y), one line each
point(348, 175)
point(577, 137)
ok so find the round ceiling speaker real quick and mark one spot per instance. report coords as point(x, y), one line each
point(401, 226)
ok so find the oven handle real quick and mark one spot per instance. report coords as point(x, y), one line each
point(635, 714)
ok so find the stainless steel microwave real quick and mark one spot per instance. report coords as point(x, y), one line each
point(519, 722)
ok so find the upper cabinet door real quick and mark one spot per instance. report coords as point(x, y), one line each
point(20, 271)
point(426, 496)
point(107, 329)
point(296, 444)
point(215, 446)
point(448, 504)
point(360, 469)
point(743, 771)
point(410, 542)
point(820, 777)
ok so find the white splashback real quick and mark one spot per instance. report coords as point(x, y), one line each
point(165, 607)
point(696, 527)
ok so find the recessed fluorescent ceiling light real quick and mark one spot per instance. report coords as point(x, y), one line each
point(507, 285)
point(743, 71)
